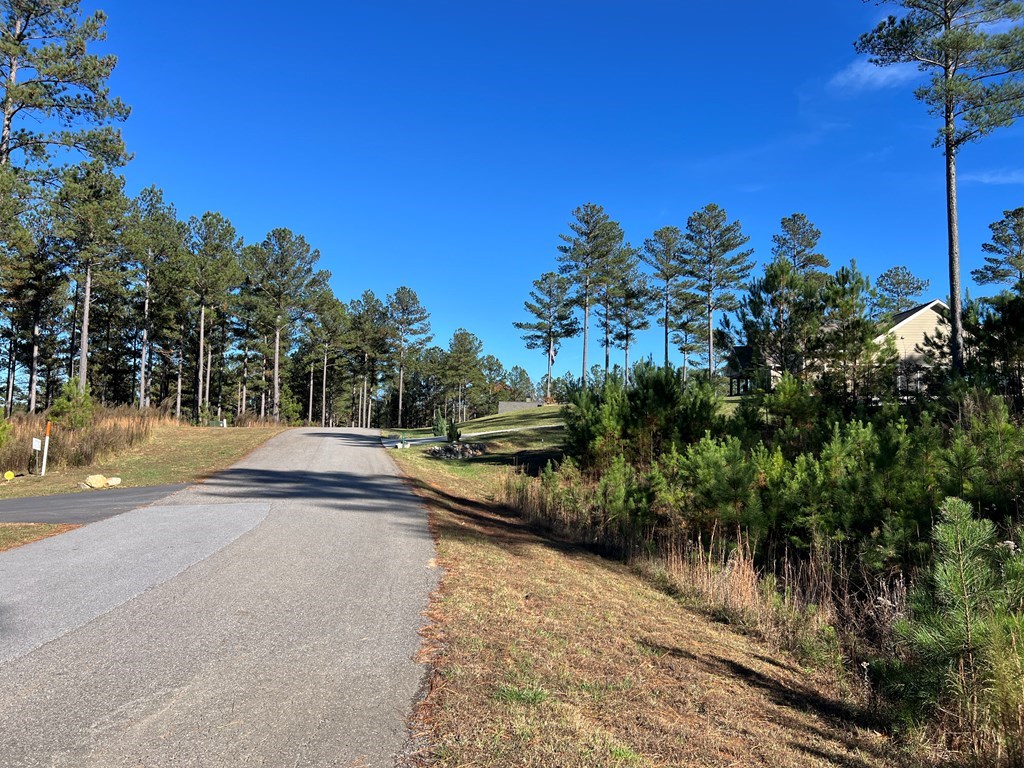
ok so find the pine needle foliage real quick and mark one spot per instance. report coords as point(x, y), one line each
point(965, 638)
point(74, 407)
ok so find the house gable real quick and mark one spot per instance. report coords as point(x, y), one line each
point(909, 328)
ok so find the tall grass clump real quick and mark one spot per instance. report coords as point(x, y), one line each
point(82, 433)
point(251, 419)
point(794, 609)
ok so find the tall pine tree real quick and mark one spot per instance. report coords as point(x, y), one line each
point(716, 265)
point(582, 254)
point(974, 52)
point(409, 322)
point(554, 321)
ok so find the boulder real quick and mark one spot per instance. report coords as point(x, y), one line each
point(96, 481)
point(113, 482)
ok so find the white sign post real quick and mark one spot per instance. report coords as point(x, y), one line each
point(46, 449)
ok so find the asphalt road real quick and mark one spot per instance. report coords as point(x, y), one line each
point(267, 617)
point(85, 507)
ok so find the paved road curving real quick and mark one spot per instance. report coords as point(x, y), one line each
point(85, 507)
point(267, 617)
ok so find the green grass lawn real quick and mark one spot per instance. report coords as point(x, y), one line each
point(409, 434)
point(528, 439)
point(545, 415)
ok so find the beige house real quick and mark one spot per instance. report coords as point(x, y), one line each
point(908, 330)
point(909, 327)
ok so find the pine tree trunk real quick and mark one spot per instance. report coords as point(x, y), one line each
point(309, 415)
point(667, 302)
point(9, 402)
point(711, 342)
point(48, 388)
point(177, 399)
point(200, 359)
point(953, 235)
point(263, 388)
point(370, 400)
point(607, 342)
point(245, 380)
point(73, 333)
point(209, 369)
point(401, 386)
point(277, 370)
point(149, 367)
point(627, 359)
point(323, 394)
point(33, 377)
point(362, 404)
point(551, 354)
point(9, 104)
point(145, 347)
point(83, 351)
point(586, 326)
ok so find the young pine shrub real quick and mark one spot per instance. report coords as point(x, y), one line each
point(73, 408)
point(964, 640)
point(440, 426)
point(595, 423)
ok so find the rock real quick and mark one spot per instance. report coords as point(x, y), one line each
point(96, 481)
point(456, 451)
point(113, 482)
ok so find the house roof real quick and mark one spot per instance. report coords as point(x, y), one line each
point(740, 360)
point(902, 317)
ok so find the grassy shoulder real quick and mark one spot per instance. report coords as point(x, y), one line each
point(15, 534)
point(173, 454)
point(549, 655)
point(547, 416)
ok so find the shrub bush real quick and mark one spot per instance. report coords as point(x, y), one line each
point(440, 426)
point(964, 639)
point(73, 408)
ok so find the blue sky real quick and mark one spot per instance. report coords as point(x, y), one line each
point(444, 145)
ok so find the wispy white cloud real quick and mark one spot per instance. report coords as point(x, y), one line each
point(752, 188)
point(862, 75)
point(995, 177)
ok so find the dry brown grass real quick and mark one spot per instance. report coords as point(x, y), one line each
point(548, 655)
point(112, 430)
point(16, 534)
